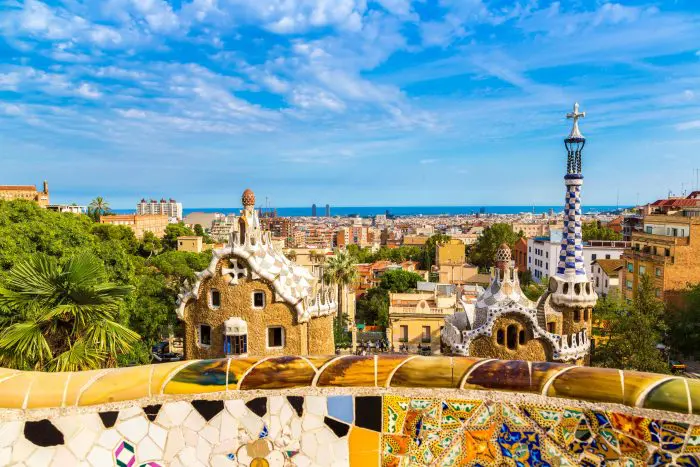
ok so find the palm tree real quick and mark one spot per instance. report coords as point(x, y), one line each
point(340, 269)
point(62, 317)
point(98, 207)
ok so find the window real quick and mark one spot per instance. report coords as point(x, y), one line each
point(607, 256)
point(630, 267)
point(577, 315)
point(214, 298)
point(204, 334)
point(426, 335)
point(521, 337)
point(404, 333)
point(275, 337)
point(585, 315)
point(642, 270)
point(236, 345)
point(499, 337)
point(648, 229)
point(629, 284)
point(258, 299)
point(551, 327)
point(658, 272)
point(667, 252)
point(512, 336)
point(594, 257)
point(657, 292)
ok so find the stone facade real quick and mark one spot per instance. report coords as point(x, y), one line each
point(26, 192)
point(140, 224)
point(252, 300)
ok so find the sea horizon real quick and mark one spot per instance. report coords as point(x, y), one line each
point(370, 211)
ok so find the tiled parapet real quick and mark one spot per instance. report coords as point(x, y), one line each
point(34, 390)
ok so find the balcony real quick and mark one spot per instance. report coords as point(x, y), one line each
point(648, 256)
point(662, 240)
point(411, 310)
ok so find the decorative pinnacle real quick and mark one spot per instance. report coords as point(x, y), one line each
point(575, 115)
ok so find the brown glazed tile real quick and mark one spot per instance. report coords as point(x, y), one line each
point(671, 395)
point(591, 384)
point(504, 375)
point(636, 383)
point(542, 372)
point(238, 367)
point(386, 364)
point(319, 361)
point(425, 372)
point(350, 371)
point(279, 373)
point(461, 366)
point(200, 377)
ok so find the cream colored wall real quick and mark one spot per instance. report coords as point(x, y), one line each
point(415, 331)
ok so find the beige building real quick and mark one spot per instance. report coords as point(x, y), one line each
point(606, 276)
point(531, 230)
point(139, 224)
point(451, 263)
point(192, 243)
point(417, 319)
point(26, 192)
point(252, 300)
point(668, 251)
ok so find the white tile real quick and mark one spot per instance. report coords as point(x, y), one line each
point(62, 457)
point(210, 433)
point(5, 455)
point(81, 443)
point(236, 407)
point(22, 449)
point(99, 457)
point(252, 424)
point(220, 460)
point(341, 450)
point(315, 405)
point(274, 428)
point(324, 455)
point(92, 422)
point(311, 422)
point(203, 450)
point(147, 450)
point(130, 412)
point(325, 435)
point(194, 421)
point(296, 428)
point(134, 429)
point(309, 445)
point(191, 437)
point(188, 456)
point(286, 414)
point(276, 404)
point(174, 444)
point(41, 457)
point(229, 426)
point(300, 460)
point(9, 431)
point(109, 439)
point(176, 413)
point(158, 435)
point(68, 425)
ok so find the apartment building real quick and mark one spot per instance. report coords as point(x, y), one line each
point(169, 208)
point(140, 224)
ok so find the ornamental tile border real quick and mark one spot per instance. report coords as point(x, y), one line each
point(34, 390)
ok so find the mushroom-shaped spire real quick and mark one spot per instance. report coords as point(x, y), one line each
point(503, 258)
point(248, 198)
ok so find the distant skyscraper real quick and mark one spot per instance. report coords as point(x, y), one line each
point(313, 210)
point(328, 210)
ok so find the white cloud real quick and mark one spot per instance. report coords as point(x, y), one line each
point(132, 113)
point(428, 161)
point(88, 91)
point(691, 125)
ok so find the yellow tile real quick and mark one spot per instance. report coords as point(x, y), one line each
point(364, 447)
point(76, 382)
point(6, 372)
point(588, 384)
point(160, 374)
point(238, 367)
point(636, 383)
point(14, 390)
point(386, 365)
point(349, 371)
point(47, 390)
point(200, 377)
point(119, 384)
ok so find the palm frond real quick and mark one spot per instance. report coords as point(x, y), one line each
point(110, 336)
point(79, 357)
point(25, 342)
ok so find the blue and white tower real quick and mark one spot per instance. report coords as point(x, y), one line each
point(571, 285)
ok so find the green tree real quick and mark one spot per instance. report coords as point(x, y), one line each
point(172, 231)
point(341, 269)
point(429, 250)
point(534, 290)
point(482, 253)
point(62, 316)
point(634, 332)
point(98, 207)
point(373, 307)
point(684, 323)
point(399, 281)
point(594, 231)
point(150, 245)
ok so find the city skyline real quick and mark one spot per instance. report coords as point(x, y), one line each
point(383, 103)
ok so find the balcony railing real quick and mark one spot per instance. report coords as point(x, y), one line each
point(417, 310)
point(666, 240)
point(648, 256)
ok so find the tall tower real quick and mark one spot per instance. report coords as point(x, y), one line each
point(313, 210)
point(328, 210)
point(571, 289)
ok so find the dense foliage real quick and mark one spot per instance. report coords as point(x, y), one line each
point(684, 323)
point(483, 252)
point(634, 331)
point(373, 307)
point(151, 269)
point(594, 231)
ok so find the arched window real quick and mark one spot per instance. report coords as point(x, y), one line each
point(521, 337)
point(577, 315)
point(585, 314)
point(214, 298)
point(512, 337)
point(499, 337)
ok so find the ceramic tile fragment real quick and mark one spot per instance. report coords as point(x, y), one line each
point(200, 377)
point(119, 384)
point(368, 412)
point(349, 371)
point(208, 409)
point(364, 447)
point(341, 407)
point(279, 373)
point(670, 395)
point(593, 384)
point(43, 433)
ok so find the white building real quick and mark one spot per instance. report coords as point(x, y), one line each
point(73, 208)
point(543, 253)
point(606, 276)
point(170, 208)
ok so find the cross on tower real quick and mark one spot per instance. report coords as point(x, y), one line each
point(575, 115)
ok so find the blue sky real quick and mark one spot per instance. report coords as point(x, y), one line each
point(347, 102)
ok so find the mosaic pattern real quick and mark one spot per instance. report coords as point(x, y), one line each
point(449, 432)
point(30, 390)
point(341, 430)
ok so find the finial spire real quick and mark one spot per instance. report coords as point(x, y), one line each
point(575, 115)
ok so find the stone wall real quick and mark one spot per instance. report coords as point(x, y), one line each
point(351, 410)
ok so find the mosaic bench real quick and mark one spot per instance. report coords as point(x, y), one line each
point(384, 410)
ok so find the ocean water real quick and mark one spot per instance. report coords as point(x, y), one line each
point(370, 211)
